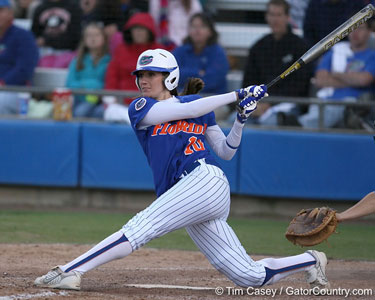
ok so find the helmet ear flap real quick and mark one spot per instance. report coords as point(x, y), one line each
point(171, 82)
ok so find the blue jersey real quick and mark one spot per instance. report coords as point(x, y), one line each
point(359, 62)
point(172, 146)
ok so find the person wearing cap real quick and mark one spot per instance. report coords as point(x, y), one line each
point(56, 25)
point(18, 57)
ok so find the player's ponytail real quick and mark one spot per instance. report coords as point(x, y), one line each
point(193, 86)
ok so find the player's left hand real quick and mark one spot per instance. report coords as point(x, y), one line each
point(248, 98)
point(245, 108)
point(257, 91)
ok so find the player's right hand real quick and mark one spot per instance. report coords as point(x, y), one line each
point(257, 91)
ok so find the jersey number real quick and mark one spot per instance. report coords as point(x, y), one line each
point(194, 145)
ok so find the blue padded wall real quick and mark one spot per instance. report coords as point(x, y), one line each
point(307, 165)
point(268, 163)
point(39, 152)
point(111, 157)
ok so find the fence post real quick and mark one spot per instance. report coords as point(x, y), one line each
point(321, 115)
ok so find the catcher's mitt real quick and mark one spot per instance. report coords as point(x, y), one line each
point(312, 226)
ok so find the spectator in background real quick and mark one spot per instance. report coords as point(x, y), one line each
point(87, 70)
point(297, 12)
point(139, 34)
point(270, 57)
point(345, 73)
point(172, 19)
point(18, 57)
point(203, 3)
point(130, 7)
point(89, 11)
point(24, 9)
point(371, 42)
point(202, 57)
point(57, 28)
point(109, 14)
point(323, 16)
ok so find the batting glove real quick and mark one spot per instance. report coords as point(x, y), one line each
point(257, 91)
point(245, 107)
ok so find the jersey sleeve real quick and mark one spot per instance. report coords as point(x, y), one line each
point(138, 109)
point(165, 111)
point(210, 117)
point(211, 120)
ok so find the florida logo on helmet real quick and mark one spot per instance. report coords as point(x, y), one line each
point(145, 60)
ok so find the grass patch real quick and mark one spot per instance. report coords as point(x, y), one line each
point(258, 236)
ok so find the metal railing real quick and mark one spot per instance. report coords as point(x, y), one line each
point(128, 94)
point(320, 103)
point(257, 5)
point(46, 90)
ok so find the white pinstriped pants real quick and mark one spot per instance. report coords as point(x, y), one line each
point(200, 202)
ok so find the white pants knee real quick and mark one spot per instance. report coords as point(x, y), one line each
point(222, 248)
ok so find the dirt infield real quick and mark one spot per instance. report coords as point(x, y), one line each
point(162, 274)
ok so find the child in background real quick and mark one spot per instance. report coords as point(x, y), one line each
point(88, 69)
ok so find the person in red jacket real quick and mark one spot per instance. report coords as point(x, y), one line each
point(139, 35)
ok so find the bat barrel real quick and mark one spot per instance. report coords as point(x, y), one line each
point(331, 39)
point(339, 33)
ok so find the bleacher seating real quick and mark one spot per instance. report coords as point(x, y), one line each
point(238, 38)
point(53, 78)
point(235, 38)
point(23, 23)
point(254, 5)
point(49, 77)
point(234, 80)
point(44, 77)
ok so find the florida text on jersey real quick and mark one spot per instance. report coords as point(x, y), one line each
point(170, 146)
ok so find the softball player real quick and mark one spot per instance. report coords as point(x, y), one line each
point(192, 190)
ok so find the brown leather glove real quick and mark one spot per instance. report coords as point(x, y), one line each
point(312, 226)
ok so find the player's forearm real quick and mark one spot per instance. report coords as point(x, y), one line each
point(325, 79)
point(225, 146)
point(234, 137)
point(163, 112)
point(364, 207)
point(205, 105)
point(354, 79)
point(232, 141)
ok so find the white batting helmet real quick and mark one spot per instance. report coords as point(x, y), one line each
point(159, 60)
